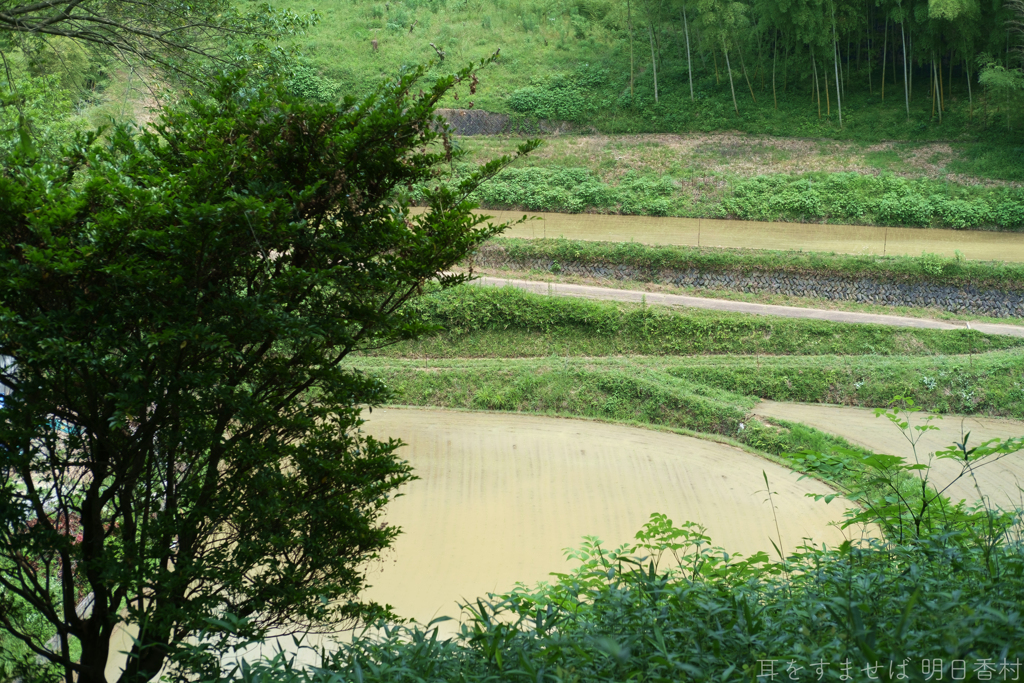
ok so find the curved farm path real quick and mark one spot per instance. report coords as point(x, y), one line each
point(998, 480)
point(609, 294)
point(501, 495)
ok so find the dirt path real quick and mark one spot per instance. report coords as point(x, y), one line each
point(501, 495)
point(998, 480)
point(609, 294)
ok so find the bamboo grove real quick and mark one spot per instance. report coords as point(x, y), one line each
point(895, 49)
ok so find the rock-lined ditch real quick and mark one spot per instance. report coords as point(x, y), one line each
point(991, 302)
point(480, 122)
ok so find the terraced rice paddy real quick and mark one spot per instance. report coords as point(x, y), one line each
point(705, 232)
point(501, 495)
point(1000, 481)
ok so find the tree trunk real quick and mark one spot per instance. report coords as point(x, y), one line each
point(828, 99)
point(835, 54)
point(760, 61)
point(775, 59)
point(849, 63)
point(906, 81)
point(728, 67)
point(743, 68)
point(871, 87)
point(785, 68)
point(942, 88)
point(718, 80)
point(689, 66)
point(970, 95)
point(885, 45)
point(910, 67)
point(629, 22)
point(894, 79)
point(654, 62)
point(817, 88)
point(932, 87)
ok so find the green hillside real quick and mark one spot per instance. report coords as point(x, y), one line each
point(570, 60)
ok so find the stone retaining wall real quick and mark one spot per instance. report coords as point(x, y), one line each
point(480, 122)
point(969, 299)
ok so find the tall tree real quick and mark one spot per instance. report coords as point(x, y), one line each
point(689, 63)
point(181, 435)
point(166, 33)
point(721, 21)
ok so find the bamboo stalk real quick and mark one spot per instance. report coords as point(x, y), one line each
point(629, 22)
point(775, 59)
point(906, 83)
point(728, 67)
point(885, 44)
point(814, 63)
point(689, 67)
point(654, 62)
point(743, 67)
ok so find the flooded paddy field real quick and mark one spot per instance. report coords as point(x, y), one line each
point(999, 481)
point(501, 495)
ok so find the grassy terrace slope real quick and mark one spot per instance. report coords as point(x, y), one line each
point(504, 323)
point(695, 373)
point(569, 61)
point(507, 350)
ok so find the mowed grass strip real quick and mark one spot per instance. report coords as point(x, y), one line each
point(509, 323)
point(989, 384)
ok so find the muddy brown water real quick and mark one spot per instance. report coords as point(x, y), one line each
point(501, 495)
point(706, 232)
point(996, 481)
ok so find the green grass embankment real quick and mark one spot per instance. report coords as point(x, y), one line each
point(481, 362)
point(509, 323)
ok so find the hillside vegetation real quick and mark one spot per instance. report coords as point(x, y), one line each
point(599, 63)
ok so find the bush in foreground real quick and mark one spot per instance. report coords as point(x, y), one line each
point(672, 607)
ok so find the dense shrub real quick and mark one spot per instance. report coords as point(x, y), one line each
point(670, 606)
point(846, 198)
point(563, 97)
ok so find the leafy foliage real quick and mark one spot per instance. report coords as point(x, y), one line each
point(175, 311)
point(846, 198)
point(561, 97)
point(40, 105)
point(181, 39)
point(671, 605)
